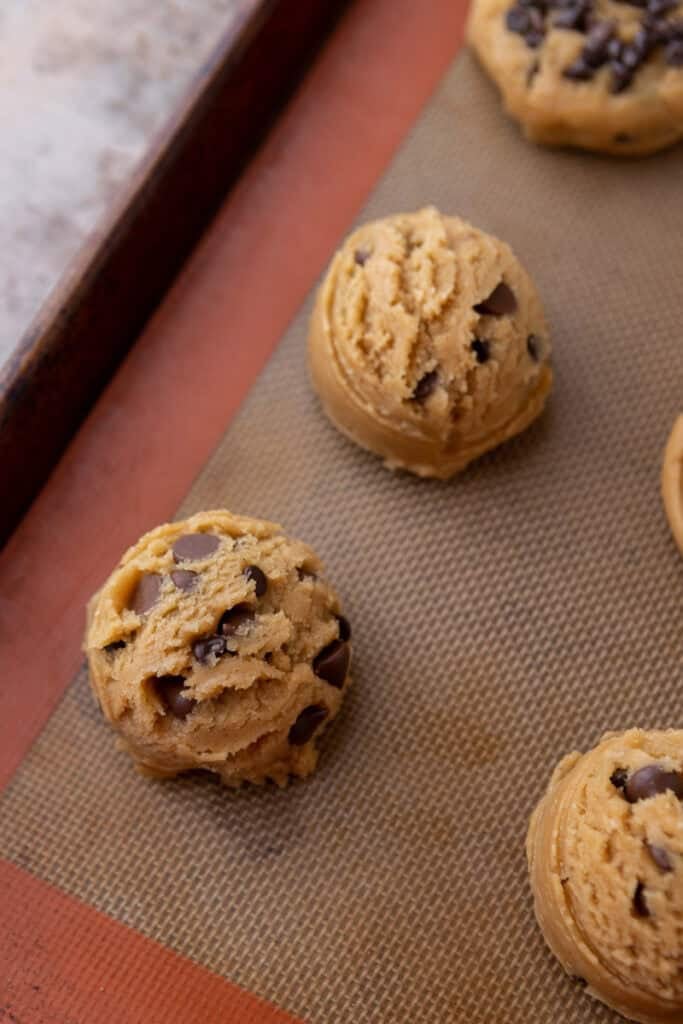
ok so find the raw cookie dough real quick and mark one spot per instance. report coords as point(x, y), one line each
point(217, 644)
point(428, 343)
point(672, 482)
point(605, 851)
point(599, 74)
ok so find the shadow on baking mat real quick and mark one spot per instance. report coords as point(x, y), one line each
point(500, 620)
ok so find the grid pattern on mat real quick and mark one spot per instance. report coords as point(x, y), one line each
point(500, 620)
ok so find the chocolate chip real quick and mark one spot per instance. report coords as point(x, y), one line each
point(659, 7)
point(536, 20)
point(614, 49)
point(594, 52)
point(639, 904)
point(643, 42)
point(660, 857)
point(673, 54)
point(234, 618)
point(573, 17)
point(517, 20)
point(533, 347)
point(207, 647)
point(579, 71)
point(115, 645)
point(361, 257)
point(170, 692)
point(259, 579)
point(533, 38)
point(184, 579)
point(630, 57)
point(619, 778)
point(501, 301)
point(306, 724)
point(621, 77)
point(425, 386)
point(651, 781)
point(192, 546)
point(344, 628)
point(146, 593)
point(481, 349)
point(332, 663)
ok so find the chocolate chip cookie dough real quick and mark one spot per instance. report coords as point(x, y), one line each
point(672, 482)
point(600, 74)
point(605, 852)
point(217, 644)
point(428, 344)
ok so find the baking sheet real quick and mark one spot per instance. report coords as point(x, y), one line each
point(499, 620)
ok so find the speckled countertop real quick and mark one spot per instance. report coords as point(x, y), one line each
point(84, 86)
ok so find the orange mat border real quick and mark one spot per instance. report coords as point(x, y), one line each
point(62, 961)
point(201, 352)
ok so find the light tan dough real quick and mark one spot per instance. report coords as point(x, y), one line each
point(607, 873)
point(672, 482)
point(395, 316)
point(236, 703)
point(557, 111)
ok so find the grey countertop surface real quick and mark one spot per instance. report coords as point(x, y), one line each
point(84, 87)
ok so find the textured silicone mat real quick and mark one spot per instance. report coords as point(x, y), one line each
point(499, 621)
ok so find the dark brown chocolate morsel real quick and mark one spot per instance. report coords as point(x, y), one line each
point(660, 856)
point(673, 54)
point(234, 618)
point(306, 724)
point(259, 579)
point(651, 781)
point(501, 301)
point(146, 593)
point(425, 386)
point(332, 663)
point(533, 347)
point(618, 778)
point(170, 692)
point(116, 645)
point(481, 349)
point(344, 628)
point(192, 546)
point(622, 77)
point(594, 52)
point(534, 38)
point(579, 71)
point(361, 256)
point(517, 20)
point(614, 49)
point(184, 579)
point(209, 646)
point(639, 905)
point(573, 17)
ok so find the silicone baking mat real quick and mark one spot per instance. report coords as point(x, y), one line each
point(499, 620)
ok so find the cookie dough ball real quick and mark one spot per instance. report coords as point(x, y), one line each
point(605, 851)
point(672, 482)
point(428, 343)
point(599, 74)
point(216, 643)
